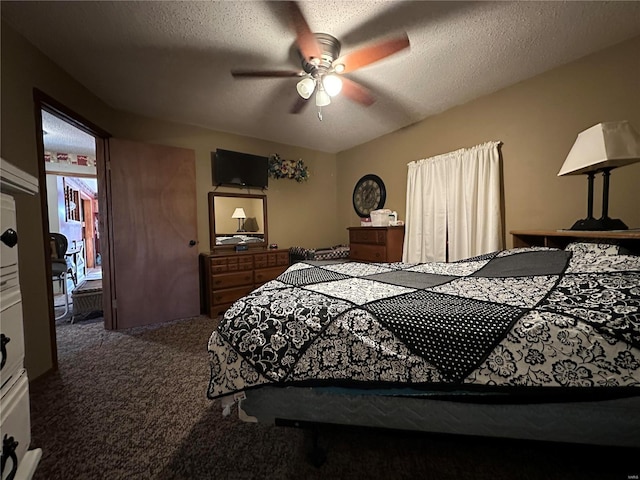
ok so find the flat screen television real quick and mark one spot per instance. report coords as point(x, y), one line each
point(238, 169)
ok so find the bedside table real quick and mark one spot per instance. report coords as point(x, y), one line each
point(561, 238)
point(376, 244)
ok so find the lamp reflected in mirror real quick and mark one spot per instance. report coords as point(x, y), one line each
point(240, 215)
point(229, 212)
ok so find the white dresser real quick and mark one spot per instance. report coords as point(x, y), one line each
point(18, 462)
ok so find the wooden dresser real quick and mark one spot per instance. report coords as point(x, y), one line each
point(376, 244)
point(225, 277)
point(15, 425)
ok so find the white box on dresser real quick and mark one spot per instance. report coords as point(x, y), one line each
point(18, 462)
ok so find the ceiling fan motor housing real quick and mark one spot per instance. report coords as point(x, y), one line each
point(330, 46)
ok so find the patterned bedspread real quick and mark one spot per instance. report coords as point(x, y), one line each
point(522, 318)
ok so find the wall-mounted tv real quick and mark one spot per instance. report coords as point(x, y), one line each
point(239, 169)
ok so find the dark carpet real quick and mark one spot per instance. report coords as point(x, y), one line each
point(132, 404)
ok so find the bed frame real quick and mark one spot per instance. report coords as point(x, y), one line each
point(611, 422)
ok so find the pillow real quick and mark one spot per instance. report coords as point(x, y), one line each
point(595, 248)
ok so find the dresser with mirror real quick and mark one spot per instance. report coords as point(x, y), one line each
point(239, 259)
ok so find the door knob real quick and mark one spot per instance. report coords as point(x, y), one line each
point(192, 243)
point(9, 237)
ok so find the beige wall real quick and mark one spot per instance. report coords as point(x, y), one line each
point(23, 68)
point(537, 120)
point(298, 213)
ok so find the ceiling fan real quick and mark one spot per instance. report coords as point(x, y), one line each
point(323, 67)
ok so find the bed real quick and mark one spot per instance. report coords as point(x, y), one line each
point(537, 343)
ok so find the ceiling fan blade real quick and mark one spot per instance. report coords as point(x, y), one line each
point(305, 39)
point(356, 92)
point(266, 73)
point(372, 53)
point(299, 105)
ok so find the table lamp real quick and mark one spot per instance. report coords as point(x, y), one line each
point(240, 215)
point(601, 148)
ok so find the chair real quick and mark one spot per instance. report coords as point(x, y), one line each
point(61, 266)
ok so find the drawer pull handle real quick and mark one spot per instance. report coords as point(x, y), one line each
point(9, 446)
point(9, 237)
point(3, 349)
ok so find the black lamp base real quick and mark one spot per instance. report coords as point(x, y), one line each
point(599, 224)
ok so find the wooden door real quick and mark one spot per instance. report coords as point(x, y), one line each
point(88, 233)
point(153, 259)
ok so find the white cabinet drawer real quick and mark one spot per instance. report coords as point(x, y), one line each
point(11, 338)
point(9, 280)
point(15, 423)
point(8, 255)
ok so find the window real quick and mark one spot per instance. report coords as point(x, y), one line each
point(71, 204)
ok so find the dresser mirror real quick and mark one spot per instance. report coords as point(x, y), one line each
point(237, 219)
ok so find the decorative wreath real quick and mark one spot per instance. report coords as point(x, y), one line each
point(294, 169)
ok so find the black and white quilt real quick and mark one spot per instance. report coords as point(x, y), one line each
point(533, 317)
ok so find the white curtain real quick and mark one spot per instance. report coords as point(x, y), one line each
point(453, 205)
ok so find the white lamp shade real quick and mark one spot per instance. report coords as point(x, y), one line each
point(322, 98)
point(305, 87)
point(332, 84)
point(605, 145)
point(239, 213)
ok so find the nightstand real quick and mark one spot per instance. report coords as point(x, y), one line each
point(376, 244)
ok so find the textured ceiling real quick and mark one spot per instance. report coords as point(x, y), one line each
point(171, 60)
point(60, 136)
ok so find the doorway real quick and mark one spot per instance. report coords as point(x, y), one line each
point(73, 213)
point(147, 225)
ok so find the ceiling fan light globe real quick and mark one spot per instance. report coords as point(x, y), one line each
point(339, 68)
point(322, 98)
point(305, 87)
point(332, 84)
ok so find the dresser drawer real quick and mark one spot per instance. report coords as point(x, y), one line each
point(227, 280)
point(231, 264)
point(9, 279)
point(368, 253)
point(14, 421)
point(218, 265)
point(11, 337)
point(266, 274)
point(282, 258)
point(240, 263)
point(375, 237)
point(8, 255)
point(261, 260)
point(225, 277)
point(229, 295)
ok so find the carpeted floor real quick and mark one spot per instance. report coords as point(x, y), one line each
point(132, 405)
